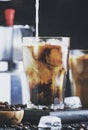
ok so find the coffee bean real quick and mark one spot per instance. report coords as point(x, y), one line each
point(5, 106)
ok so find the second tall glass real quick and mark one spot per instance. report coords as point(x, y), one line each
point(78, 63)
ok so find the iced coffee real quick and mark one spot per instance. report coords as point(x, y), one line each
point(45, 63)
point(79, 75)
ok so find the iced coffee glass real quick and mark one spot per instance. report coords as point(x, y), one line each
point(45, 63)
point(78, 60)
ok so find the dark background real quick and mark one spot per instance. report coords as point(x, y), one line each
point(57, 18)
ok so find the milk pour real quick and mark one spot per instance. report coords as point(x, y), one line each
point(38, 64)
point(37, 17)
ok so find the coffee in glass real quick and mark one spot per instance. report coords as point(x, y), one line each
point(45, 64)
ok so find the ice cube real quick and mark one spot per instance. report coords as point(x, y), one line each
point(72, 102)
point(51, 122)
point(54, 41)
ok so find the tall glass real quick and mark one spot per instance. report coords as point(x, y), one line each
point(45, 63)
point(79, 74)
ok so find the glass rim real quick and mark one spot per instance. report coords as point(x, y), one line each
point(62, 40)
point(45, 37)
point(76, 50)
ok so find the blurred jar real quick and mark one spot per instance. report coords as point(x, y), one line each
point(19, 89)
point(13, 87)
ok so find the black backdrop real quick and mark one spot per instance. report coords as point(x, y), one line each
point(57, 18)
